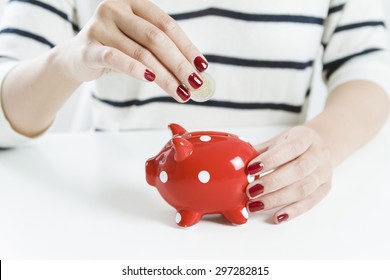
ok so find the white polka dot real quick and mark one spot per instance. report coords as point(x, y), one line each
point(164, 176)
point(244, 212)
point(178, 218)
point(205, 138)
point(250, 178)
point(204, 176)
point(237, 163)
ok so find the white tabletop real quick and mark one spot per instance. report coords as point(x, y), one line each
point(84, 196)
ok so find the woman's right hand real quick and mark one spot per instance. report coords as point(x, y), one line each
point(137, 38)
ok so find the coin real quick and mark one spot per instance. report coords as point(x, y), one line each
point(206, 91)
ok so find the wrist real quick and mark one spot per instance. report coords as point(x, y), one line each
point(58, 60)
point(353, 114)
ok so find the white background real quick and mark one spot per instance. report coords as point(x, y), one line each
point(70, 118)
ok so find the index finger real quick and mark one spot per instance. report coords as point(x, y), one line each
point(153, 14)
point(291, 147)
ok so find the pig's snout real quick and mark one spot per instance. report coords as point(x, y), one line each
point(150, 171)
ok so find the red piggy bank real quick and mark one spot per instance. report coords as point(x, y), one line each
point(202, 173)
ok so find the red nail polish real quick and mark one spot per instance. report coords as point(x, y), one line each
point(256, 206)
point(282, 218)
point(149, 75)
point(255, 168)
point(256, 190)
point(195, 81)
point(200, 63)
point(183, 92)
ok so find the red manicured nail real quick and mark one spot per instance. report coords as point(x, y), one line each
point(282, 218)
point(255, 168)
point(256, 190)
point(200, 63)
point(183, 92)
point(256, 206)
point(195, 81)
point(149, 75)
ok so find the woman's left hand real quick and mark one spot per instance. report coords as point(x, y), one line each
point(300, 173)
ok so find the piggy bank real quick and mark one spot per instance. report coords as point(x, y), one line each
point(202, 173)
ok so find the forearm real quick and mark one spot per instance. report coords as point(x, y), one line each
point(353, 114)
point(34, 91)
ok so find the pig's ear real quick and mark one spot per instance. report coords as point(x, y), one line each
point(183, 148)
point(176, 129)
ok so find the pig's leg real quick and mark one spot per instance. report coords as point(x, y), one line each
point(186, 218)
point(237, 216)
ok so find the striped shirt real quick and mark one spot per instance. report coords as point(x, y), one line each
point(261, 54)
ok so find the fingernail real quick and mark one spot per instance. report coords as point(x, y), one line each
point(183, 92)
point(149, 75)
point(256, 190)
point(255, 168)
point(282, 218)
point(255, 206)
point(200, 63)
point(195, 81)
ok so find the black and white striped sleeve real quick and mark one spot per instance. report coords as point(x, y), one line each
point(28, 29)
point(356, 44)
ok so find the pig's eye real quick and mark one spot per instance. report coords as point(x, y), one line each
point(159, 157)
point(162, 158)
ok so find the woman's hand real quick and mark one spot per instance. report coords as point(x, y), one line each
point(300, 173)
point(137, 38)
point(133, 37)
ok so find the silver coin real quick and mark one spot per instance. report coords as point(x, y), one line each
point(206, 91)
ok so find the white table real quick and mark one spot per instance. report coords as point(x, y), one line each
point(84, 196)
